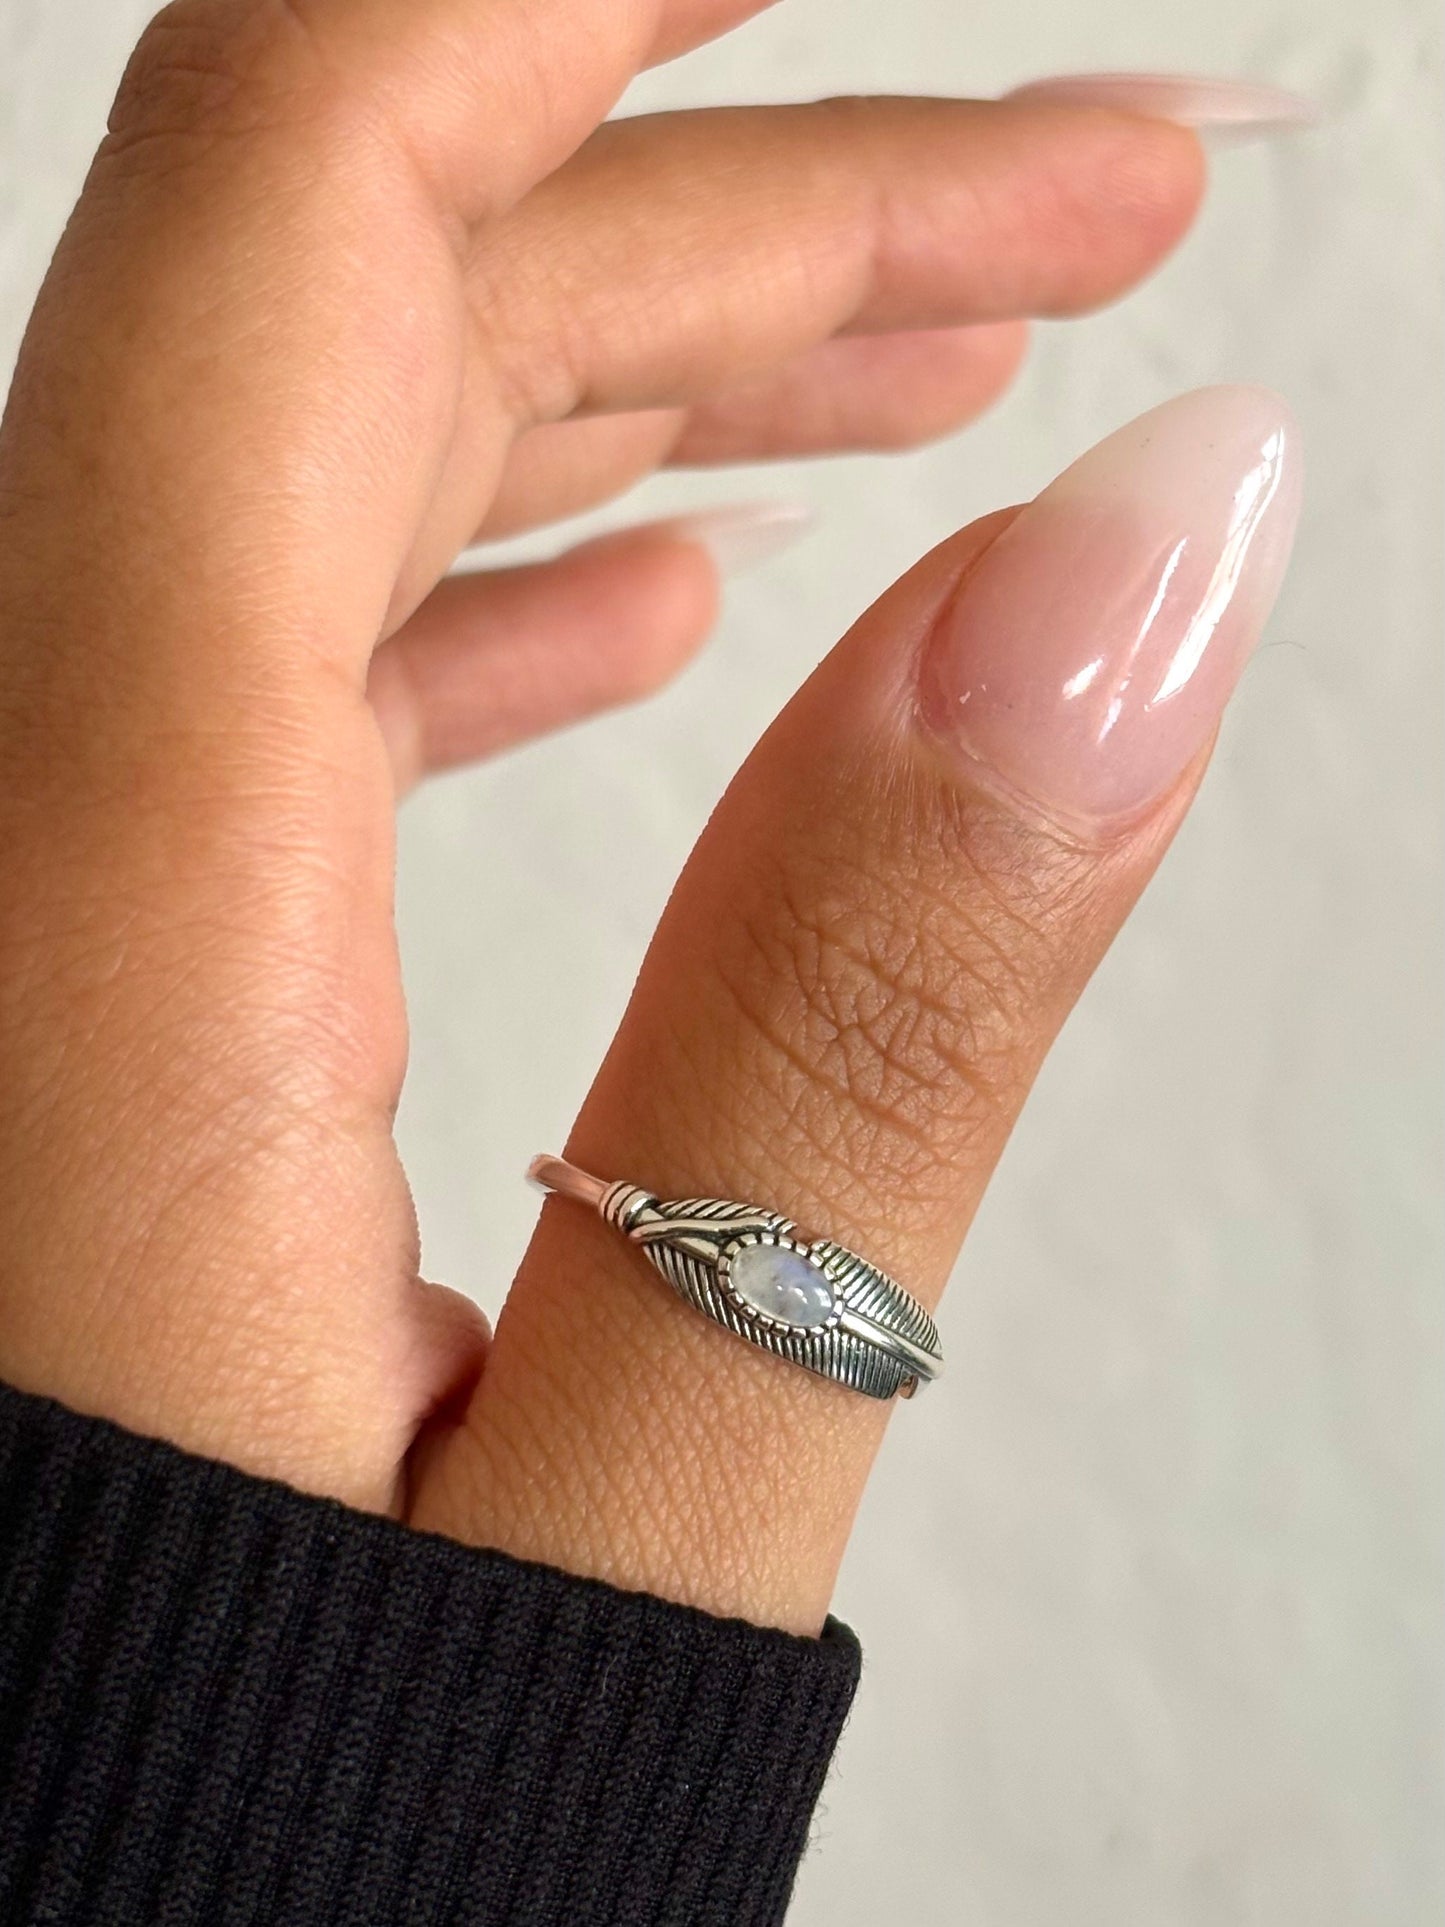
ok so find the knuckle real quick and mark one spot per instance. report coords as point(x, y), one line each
point(189, 67)
point(890, 1021)
point(206, 70)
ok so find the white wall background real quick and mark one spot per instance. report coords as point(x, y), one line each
point(1150, 1590)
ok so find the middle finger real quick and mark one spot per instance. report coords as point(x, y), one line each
point(678, 254)
point(853, 393)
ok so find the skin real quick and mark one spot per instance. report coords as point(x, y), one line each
point(351, 282)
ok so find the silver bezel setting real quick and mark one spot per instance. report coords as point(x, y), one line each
point(877, 1338)
point(781, 1241)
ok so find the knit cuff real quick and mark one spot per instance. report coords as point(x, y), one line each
point(223, 1701)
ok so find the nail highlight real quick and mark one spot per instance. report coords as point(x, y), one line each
point(1088, 654)
point(1224, 110)
point(743, 534)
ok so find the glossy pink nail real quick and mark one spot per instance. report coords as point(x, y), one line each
point(1087, 656)
point(1222, 109)
point(741, 534)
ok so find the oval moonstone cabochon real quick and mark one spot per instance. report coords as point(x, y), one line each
point(780, 1283)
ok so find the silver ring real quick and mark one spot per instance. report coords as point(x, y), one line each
point(751, 1271)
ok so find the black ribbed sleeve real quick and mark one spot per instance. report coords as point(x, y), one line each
point(222, 1701)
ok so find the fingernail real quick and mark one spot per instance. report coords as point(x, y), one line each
point(1089, 652)
point(1226, 110)
point(743, 534)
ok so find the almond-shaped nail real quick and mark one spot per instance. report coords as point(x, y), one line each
point(743, 534)
point(1232, 110)
point(1088, 654)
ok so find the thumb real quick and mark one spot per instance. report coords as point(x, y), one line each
point(853, 987)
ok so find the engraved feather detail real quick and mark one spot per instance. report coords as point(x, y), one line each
point(690, 1241)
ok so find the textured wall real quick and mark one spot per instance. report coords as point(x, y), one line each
point(1149, 1591)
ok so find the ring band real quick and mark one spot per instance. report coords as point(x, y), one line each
point(751, 1271)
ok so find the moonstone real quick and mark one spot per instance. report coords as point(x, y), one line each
point(781, 1284)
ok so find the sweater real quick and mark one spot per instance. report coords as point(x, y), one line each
point(223, 1701)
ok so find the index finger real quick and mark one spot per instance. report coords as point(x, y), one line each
point(485, 99)
point(216, 311)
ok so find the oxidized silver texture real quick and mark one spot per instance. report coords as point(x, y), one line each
point(877, 1339)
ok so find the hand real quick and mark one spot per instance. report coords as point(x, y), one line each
point(351, 283)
